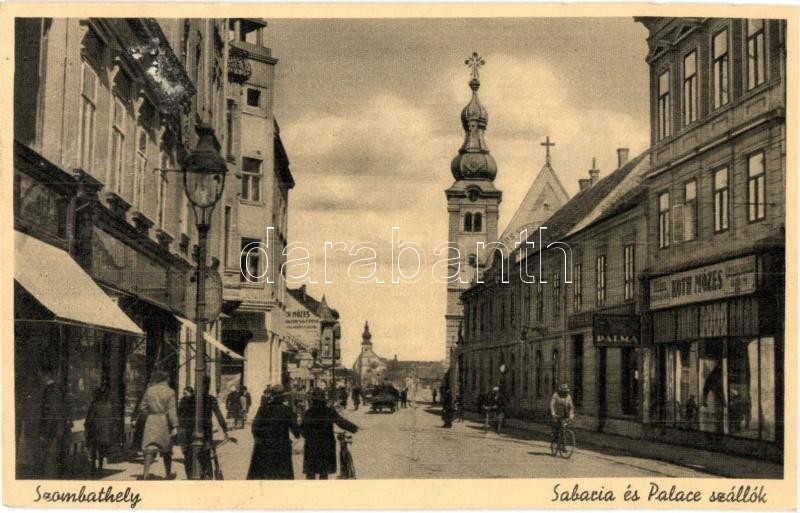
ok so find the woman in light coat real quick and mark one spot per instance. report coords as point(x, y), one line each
point(161, 422)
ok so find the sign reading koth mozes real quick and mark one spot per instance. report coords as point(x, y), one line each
point(726, 279)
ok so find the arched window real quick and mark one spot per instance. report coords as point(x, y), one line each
point(538, 376)
point(468, 222)
point(477, 222)
point(556, 371)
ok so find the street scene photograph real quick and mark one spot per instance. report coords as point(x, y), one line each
point(251, 249)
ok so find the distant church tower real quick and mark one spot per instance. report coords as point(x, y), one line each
point(472, 203)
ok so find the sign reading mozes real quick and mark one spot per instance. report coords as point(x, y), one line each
point(726, 279)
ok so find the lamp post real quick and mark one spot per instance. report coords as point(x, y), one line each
point(204, 173)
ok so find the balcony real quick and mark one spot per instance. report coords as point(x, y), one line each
point(239, 70)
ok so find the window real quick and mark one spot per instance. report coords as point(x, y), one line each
point(756, 61)
point(690, 88)
point(556, 295)
point(690, 211)
point(539, 302)
point(88, 108)
point(251, 179)
point(756, 191)
point(527, 305)
point(250, 261)
point(600, 281)
point(161, 192)
point(577, 287)
point(577, 369)
point(720, 68)
point(468, 222)
point(253, 97)
point(140, 170)
point(663, 220)
point(630, 271)
point(229, 128)
point(477, 222)
point(226, 239)
point(539, 374)
point(664, 114)
point(117, 146)
point(502, 302)
point(721, 200)
point(512, 309)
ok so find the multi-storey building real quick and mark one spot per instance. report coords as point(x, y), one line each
point(253, 223)
point(106, 110)
point(716, 230)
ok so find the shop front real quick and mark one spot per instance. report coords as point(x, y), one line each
point(718, 345)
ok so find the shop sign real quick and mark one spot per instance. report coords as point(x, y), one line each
point(726, 279)
point(616, 330)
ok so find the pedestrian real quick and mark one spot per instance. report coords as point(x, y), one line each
point(319, 457)
point(98, 429)
point(447, 408)
point(161, 422)
point(404, 397)
point(356, 394)
point(247, 402)
point(434, 395)
point(272, 447)
point(498, 402)
point(210, 410)
point(53, 425)
point(459, 407)
point(233, 405)
point(343, 397)
point(186, 428)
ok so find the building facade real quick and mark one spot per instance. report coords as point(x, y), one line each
point(106, 111)
point(716, 258)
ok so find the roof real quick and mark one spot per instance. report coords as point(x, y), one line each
point(309, 303)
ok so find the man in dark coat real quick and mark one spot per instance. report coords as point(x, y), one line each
point(272, 449)
point(99, 428)
point(233, 405)
point(53, 426)
point(356, 393)
point(185, 427)
point(319, 458)
point(447, 408)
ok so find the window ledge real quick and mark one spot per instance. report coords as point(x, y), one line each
point(251, 202)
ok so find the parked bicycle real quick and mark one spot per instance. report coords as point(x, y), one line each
point(563, 442)
point(209, 461)
point(347, 470)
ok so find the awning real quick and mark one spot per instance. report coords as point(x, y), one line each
point(51, 276)
point(211, 340)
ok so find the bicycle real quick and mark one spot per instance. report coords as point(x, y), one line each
point(563, 442)
point(210, 462)
point(347, 470)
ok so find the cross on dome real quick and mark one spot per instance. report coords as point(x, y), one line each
point(476, 62)
point(547, 144)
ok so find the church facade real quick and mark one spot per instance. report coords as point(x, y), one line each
point(369, 368)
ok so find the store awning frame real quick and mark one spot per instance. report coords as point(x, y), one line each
point(63, 288)
point(210, 339)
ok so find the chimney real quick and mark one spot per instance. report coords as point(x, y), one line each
point(584, 183)
point(622, 157)
point(303, 290)
point(594, 173)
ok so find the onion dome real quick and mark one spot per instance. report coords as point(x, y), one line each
point(473, 161)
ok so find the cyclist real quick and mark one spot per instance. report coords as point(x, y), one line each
point(561, 408)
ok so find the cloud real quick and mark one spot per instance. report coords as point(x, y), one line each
point(385, 163)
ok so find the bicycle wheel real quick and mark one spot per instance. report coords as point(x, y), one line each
point(348, 469)
point(567, 443)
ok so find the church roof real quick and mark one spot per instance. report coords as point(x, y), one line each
point(318, 308)
point(545, 195)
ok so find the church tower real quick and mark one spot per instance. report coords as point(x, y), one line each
point(472, 204)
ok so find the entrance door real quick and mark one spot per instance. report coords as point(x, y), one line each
point(602, 407)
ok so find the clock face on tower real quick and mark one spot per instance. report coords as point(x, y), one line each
point(473, 194)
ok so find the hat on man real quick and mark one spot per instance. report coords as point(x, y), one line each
point(563, 388)
point(277, 391)
point(318, 395)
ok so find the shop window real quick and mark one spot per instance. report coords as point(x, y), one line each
point(751, 387)
point(721, 200)
point(756, 57)
point(690, 88)
point(720, 68)
point(682, 398)
point(756, 187)
point(712, 390)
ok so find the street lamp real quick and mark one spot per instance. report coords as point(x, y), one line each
point(204, 173)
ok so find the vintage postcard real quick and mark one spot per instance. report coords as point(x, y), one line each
point(527, 256)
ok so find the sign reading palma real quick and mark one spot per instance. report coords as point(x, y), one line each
point(735, 277)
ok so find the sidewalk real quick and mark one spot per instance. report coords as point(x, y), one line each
point(721, 464)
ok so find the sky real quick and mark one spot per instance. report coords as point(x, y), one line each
point(369, 114)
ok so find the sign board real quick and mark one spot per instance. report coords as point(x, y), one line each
point(302, 323)
point(726, 279)
point(616, 330)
